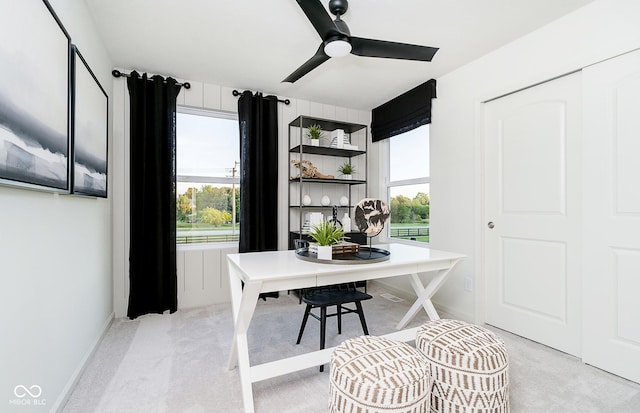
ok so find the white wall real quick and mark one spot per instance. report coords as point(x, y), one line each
point(199, 283)
point(598, 31)
point(55, 255)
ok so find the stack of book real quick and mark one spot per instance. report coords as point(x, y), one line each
point(340, 140)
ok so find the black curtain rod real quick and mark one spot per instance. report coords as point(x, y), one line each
point(285, 101)
point(117, 73)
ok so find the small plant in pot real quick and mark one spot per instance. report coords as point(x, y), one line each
point(347, 170)
point(314, 133)
point(326, 234)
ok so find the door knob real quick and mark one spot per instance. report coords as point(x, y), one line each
point(491, 225)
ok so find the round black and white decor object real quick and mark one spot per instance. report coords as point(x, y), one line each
point(370, 216)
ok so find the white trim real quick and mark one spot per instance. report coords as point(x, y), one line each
point(212, 113)
point(414, 181)
point(207, 179)
point(479, 216)
point(202, 246)
point(62, 399)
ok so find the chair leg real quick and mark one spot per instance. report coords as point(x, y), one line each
point(361, 315)
point(323, 328)
point(304, 322)
point(339, 312)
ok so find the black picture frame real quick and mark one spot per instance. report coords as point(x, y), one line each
point(89, 126)
point(34, 98)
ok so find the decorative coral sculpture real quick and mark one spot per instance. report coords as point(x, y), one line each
point(308, 170)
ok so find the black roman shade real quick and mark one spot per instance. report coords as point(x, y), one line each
point(403, 113)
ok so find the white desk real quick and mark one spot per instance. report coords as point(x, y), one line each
point(281, 270)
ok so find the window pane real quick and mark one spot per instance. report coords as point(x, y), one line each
point(409, 212)
point(208, 190)
point(206, 146)
point(205, 213)
point(409, 155)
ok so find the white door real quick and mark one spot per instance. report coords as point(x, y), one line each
point(611, 278)
point(532, 202)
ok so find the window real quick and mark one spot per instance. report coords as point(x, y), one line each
point(208, 183)
point(408, 185)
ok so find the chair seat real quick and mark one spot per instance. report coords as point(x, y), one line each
point(334, 297)
point(337, 295)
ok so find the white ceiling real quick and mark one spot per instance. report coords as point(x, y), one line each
point(254, 44)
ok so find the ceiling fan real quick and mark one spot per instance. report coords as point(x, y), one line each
point(337, 40)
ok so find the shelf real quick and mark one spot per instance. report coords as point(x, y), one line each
point(346, 233)
point(326, 124)
point(325, 150)
point(330, 181)
point(320, 206)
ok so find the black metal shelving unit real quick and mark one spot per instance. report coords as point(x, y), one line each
point(298, 126)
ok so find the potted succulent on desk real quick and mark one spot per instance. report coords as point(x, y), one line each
point(347, 170)
point(326, 234)
point(314, 133)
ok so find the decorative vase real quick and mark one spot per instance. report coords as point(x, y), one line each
point(344, 201)
point(325, 200)
point(306, 200)
point(324, 252)
point(346, 223)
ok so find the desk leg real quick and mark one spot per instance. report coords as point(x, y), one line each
point(243, 304)
point(424, 296)
point(244, 368)
point(235, 285)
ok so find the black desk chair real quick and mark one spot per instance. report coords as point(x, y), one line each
point(337, 295)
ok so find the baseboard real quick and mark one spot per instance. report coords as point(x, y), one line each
point(71, 383)
point(454, 313)
point(411, 297)
point(405, 295)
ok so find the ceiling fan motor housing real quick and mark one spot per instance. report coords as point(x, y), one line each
point(342, 26)
point(338, 7)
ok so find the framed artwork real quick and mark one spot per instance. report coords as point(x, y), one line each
point(34, 97)
point(90, 105)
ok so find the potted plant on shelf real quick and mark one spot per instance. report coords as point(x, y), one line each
point(314, 133)
point(347, 170)
point(325, 235)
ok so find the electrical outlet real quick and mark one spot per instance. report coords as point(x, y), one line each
point(468, 284)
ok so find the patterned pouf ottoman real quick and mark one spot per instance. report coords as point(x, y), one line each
point(374, 374)
point(468, 365)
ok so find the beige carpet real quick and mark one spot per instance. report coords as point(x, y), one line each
point(177, 363)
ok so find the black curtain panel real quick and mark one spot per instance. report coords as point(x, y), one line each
point(258, 120)
point(403, 113)
point(152, 253)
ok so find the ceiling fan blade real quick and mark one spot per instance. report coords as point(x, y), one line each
point(391, 50)
point(319, 58)
point(319, 17)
